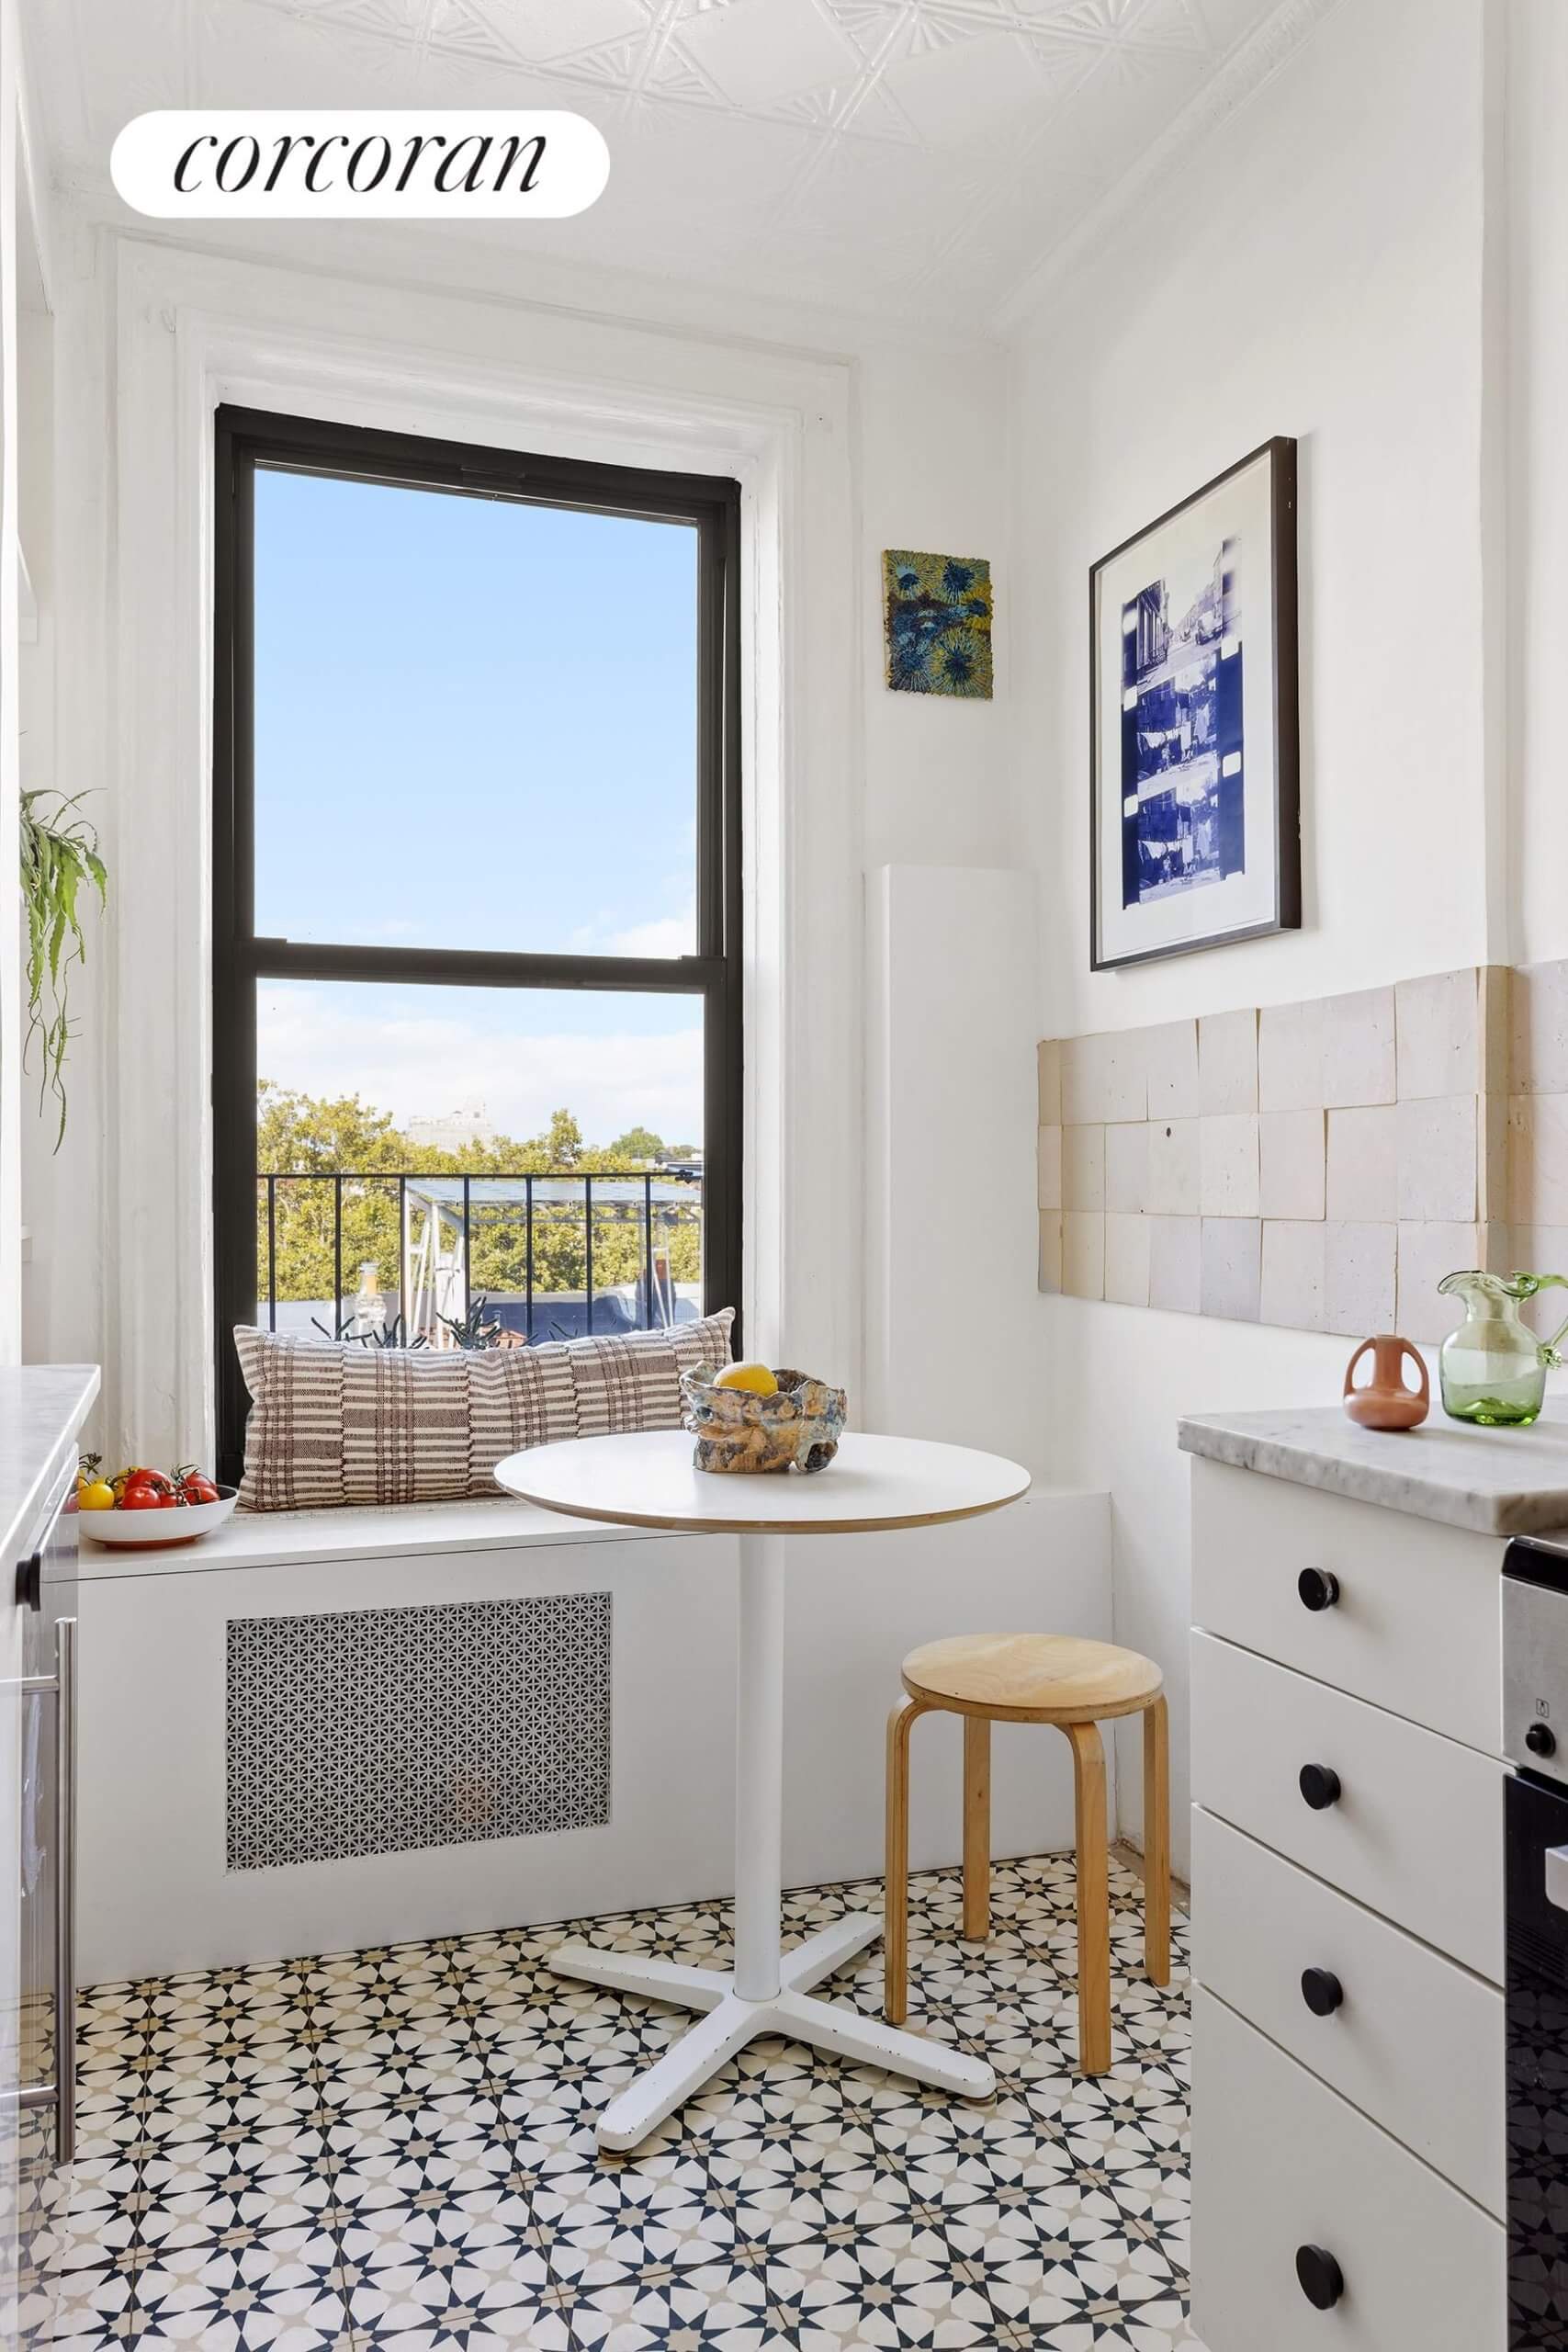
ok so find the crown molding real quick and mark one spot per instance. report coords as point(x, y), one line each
point(1267, 48)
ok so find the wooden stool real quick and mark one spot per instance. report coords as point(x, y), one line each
point(1035, 1678)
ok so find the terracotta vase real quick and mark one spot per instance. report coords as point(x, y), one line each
point(1385, 1403)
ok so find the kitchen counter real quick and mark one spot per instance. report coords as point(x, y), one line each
point(41, 1408)
point(1497, 1482)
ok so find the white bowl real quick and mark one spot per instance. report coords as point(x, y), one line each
point(134, 1530)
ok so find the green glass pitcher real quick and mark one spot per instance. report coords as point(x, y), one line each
point(1493, 1368)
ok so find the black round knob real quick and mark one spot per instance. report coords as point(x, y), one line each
point(1542, 1740)
point(1321, 1991)
point(1319, 1588)
point(1322, 2280)
point(1319, 1784)
point(30, 1581)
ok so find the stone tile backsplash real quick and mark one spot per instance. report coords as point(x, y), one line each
point(1318, 1166)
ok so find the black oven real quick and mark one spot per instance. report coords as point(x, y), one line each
point(1535, 1678)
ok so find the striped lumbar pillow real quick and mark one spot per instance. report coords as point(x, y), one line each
point(336, 1422)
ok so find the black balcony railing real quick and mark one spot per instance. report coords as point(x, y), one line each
point(403, 1254)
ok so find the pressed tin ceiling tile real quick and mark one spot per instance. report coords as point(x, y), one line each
point(949, 148)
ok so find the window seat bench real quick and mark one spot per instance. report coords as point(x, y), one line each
point(321, 1731)
point(370, 1532)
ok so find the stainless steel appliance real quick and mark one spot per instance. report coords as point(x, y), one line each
point(45, 1586)
point(1535, 1737)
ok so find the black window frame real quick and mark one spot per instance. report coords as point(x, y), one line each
point(249, 438)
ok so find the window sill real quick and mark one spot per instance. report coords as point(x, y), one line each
point(378, 1531)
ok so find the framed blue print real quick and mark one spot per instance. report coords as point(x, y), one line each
point(1194, 764)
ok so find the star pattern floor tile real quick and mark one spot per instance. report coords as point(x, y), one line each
point(394, 2152)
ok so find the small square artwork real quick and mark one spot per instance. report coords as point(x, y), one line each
point(937, 611)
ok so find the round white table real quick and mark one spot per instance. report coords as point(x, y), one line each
point(648, 1480)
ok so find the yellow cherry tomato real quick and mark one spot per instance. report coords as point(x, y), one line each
point(755, 1378)
point(99, 1496)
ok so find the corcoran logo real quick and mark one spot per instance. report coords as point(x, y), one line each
point(279, 165)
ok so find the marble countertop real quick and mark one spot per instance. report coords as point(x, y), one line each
point(42, 1405)
point(1499, 1482)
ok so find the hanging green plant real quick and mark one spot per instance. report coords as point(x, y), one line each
point(60, 858)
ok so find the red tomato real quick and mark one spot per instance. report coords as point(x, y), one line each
point(195, 1488)
point(143, 1497)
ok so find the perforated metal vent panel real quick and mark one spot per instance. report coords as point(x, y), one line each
point(378, 1731)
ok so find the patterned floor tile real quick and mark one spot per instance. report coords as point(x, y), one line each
point(393, 2151)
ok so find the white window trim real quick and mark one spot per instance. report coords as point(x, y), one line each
point(193, 330)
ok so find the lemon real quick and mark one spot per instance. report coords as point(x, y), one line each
point(98, 1496)
point(754, 1377)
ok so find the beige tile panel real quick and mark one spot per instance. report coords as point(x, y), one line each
point(1493, 1193)
point(1359, 1060)
point(1227, 1165)
point(1542, 1250)
point(1048, 1081)
point(1539, 1000)
point(1426, 1252)
point(1174, 1167)
point(1048, 1167)
point(1102, 1078)
point(1083, 1253)
point(1083, 1167)
point(1290, 1057)
point(1293, 1279)
point(1436, 1151)
point(1127, 1246)
point(1232, 1268)
point(1439, 1021)
point(1227, 1063)
point(1363, 1165)
point(1359, 1264)
point(1319, 1165)
point(1290, 1160)
point(1176, 1263)
point(1538, 1146)
point(1171, 1069)
point(1127, 1168)
point(1497, 1027)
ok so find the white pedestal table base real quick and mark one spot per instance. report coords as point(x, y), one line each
point(767, 1993)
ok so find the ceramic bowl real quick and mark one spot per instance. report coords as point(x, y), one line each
point(797, 1430)
point(129, 1531)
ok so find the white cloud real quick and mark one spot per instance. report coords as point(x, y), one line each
point(422, 1066)
point(672, 935)
point(663, 935)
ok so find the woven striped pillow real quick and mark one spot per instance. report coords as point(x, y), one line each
point(335, 1422)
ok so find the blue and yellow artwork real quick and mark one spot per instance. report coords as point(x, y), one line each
point(938, 618)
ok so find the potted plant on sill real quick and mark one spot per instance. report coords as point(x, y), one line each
point(59, 860)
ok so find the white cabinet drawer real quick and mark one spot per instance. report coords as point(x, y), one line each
point(1416, 2042)
point(1416, 1627)
point(1416, 1832)
point(1281, 2162)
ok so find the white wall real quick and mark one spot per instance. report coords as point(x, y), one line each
point(1315, 270)
point(1533, 200)
point(885, 451)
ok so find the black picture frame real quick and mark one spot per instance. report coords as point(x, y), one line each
point(1285, 913)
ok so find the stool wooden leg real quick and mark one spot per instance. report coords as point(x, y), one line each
point(1157, 1842)
point(895, 1884)
point(1094, 1900)
point(976, 1828)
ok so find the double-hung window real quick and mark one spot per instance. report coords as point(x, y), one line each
point(476, 893)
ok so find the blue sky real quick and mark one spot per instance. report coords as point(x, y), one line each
point(476, 727)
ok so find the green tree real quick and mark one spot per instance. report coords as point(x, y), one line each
point(303, 1142)
point(640, 1143)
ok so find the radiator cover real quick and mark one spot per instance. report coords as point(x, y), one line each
point(379, 1731)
